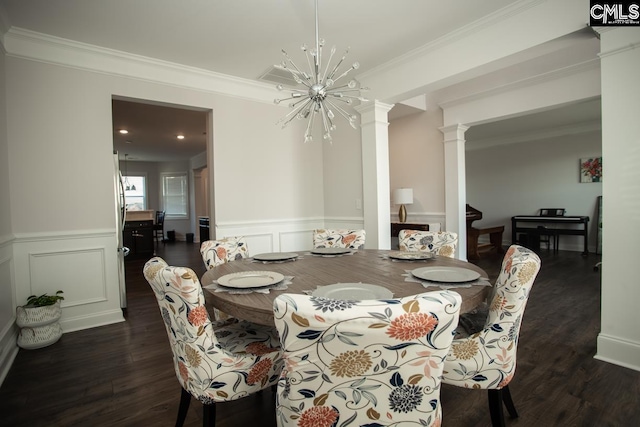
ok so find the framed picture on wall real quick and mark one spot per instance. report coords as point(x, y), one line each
point(591, 169)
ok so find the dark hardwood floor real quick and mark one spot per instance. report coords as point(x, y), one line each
point(122, 374)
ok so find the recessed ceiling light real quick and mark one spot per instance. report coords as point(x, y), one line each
point(180, 136)
point(123, 131)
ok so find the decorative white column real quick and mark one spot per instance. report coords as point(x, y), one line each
point(619, 337)
point(375, 174)
point(455, 185)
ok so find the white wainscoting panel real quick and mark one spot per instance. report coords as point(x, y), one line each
point(296, 241)
point(8, 330)
point(86, 268)
point(82, 264)
point(273, 236)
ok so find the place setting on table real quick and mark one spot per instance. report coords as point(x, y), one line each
point(351, 292)
point(411, 256)
point(445, 277)
point(329, 252)
point(276, 257)
point(248, 282)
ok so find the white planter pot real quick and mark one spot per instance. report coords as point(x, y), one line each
point(32, 317)
point(39, 325)
point(38, 337)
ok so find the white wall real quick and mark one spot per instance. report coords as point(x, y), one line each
point(8, 331)
point(519, 179)
point(342, 164)
point(264, 178)
point(416, 160)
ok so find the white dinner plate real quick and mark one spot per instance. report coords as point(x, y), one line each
point(411, 256)
point(275, 256)
point(250, 279)
point(353, 291)
point(446, 274)
point(330, 251)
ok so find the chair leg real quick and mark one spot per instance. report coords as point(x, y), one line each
point(185, 400)
point(508, 402)
point(209, 415)
point(495, 408)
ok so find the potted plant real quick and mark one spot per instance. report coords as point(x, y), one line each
point(38, 320)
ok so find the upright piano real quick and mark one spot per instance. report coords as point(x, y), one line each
point(495, 235)
point(563, 225)
point(473, 214)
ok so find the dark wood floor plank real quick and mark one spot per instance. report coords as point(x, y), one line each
point(122, 374)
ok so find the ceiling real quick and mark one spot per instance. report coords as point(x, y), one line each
point(153, 131)
point(242, 38)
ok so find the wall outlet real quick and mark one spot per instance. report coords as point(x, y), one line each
point(358, 203)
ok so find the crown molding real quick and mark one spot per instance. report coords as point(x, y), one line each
point(556, 132)
point(30, 45)
point(515, 8)
point(550, 76)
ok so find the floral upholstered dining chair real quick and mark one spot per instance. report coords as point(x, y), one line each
point(351, 239)
point(213, 361)
point(217, 252)
point(363, 363)
point(487, 359)
point(441, 243)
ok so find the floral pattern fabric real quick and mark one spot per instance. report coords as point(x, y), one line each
point(441, 243)
point(363, 363)
point(487, 359)
point(216, 252)
point(350, 239)
point(213, 361)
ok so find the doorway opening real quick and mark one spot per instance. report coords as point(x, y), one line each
point(168, 145)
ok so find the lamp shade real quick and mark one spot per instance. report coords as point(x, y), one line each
point(403, 196)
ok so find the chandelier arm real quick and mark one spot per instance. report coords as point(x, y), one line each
point(293, 113)
point(307, 133)
point(335, 69)
point(344, 74)
point(326, 70)
point(299, 72)
point(307, 54)
point(326, 122)
point(296, 77)
point(295, 104)
point(340, 110)
point(337, 89)
point(279, 100)
point(342, 97)
point(334, 88)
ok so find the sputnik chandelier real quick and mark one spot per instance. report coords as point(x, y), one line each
point(322, 94)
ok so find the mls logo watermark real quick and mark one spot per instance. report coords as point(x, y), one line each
point(609, 13)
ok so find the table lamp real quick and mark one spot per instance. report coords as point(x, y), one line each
point(403, 196)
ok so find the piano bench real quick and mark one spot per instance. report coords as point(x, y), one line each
point(495, 240)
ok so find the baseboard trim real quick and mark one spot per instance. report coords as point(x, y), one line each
point(79, 323)
point(8, 351)
point(618, 351)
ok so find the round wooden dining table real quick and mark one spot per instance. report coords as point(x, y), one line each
point(310, 271)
